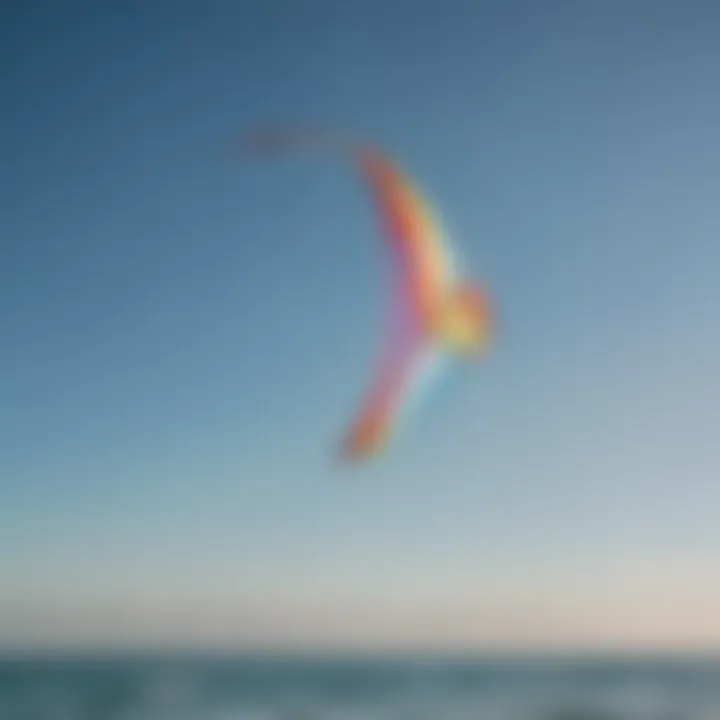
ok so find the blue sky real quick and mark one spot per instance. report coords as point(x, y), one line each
point(184, 340)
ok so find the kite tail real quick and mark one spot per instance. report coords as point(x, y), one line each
point(273, 142)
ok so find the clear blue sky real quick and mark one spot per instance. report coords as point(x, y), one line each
point(183, 340)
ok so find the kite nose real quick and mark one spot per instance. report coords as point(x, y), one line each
point(468, 320)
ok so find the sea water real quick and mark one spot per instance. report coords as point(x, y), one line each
point(264, 688)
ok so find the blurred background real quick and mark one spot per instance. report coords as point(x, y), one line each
point(184, 340)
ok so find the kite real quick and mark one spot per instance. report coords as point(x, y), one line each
point(437, 314)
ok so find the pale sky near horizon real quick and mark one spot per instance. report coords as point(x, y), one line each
point(184, 340)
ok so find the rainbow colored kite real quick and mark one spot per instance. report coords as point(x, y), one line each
point(436, 315)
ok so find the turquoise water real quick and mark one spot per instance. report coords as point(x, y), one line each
point(192, 688)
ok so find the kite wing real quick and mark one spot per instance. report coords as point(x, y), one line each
point(399, 381)
point(422, 256)
point(423, 259)
point(407, 365)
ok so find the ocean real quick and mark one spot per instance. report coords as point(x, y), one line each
point(351, 688)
